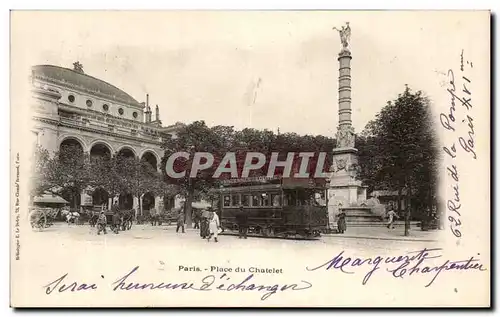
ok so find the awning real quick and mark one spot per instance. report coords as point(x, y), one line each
point(200, 205)
point(49, 199)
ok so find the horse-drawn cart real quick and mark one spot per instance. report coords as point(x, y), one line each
point(41, 218)
point(126, 218)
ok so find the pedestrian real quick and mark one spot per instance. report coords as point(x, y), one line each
point(196, 219)
point(214, 226)
point(180, 221)
point(115, 207)
point(341, 223)
point(101, 223)
point(242, 221)
point(154, 216)
point(391, 214)
point(116, 222)
point(204, 231)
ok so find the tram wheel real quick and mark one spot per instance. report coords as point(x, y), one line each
point(268, 232)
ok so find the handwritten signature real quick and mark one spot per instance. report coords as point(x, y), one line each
point(207, 283)
point(449, 122)
point(400, 266)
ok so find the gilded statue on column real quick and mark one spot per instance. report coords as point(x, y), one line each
point(345, 36)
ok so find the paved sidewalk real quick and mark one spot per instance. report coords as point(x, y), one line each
point(382, 233)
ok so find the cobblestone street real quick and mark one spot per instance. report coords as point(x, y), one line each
point(161, 254)
point(147, 236)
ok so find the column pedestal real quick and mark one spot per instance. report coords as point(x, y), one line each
point(345, 190)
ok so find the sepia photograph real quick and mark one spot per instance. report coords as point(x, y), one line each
point(250, 159)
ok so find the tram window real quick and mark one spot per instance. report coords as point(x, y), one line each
point(255, 201)
point(275, 199)
point(227, 201)
point(245, 200)
point(235, 200)
point(264, 199)
point(290, 199)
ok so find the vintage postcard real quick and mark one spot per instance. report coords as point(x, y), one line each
point(250, 159)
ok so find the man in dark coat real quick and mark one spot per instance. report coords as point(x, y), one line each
point(116, 221)
point(115, 207)
point(341, 223)
point(242, 221)
point(204, 231)
point(180, 221)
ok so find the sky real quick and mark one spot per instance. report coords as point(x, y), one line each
point(207, 65)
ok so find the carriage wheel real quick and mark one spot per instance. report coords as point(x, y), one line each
point(40, 224)
point(129, 224)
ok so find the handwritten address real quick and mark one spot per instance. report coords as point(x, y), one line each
point(459, 85)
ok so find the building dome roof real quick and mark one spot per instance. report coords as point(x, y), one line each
point(79, 81)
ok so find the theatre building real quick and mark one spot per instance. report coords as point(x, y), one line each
point(72, 108)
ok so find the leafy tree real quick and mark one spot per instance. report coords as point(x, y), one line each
point(218, 140)
point(39, 169)
point(139, 177)
point(109, 173)
point(193, 138)
point(398, 149)
point(65, 174)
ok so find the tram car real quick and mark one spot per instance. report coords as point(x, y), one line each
point(276, 207)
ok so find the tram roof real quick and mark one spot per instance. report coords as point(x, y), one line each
point(270, 183)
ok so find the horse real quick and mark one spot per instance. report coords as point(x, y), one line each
point(127, 218)
point(71, 216)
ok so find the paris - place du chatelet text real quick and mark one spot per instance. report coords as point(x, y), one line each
point(220, 269)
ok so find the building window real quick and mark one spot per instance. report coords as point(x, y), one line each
point(135, 114)
point(105, 107)
point(71, 98)
point(89, 103)
point(120, 111)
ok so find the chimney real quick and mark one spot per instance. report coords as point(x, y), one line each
point(157, 114)
point(148, 110)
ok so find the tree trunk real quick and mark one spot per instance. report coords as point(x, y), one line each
point(408, 212)
point(188, 208)
point(400, 191)
point(75, 198)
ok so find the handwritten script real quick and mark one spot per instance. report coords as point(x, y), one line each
point(128, 282)
point(412, 263)
point(460, 92)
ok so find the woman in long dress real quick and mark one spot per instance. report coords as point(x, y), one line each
point(213, 226)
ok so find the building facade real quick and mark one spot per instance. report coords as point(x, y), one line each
point(72, 108)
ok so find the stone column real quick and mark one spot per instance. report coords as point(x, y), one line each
point(345, 89)
point(343, 184)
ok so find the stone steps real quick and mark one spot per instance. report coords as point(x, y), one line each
point(363, 217)
point(413, 224)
